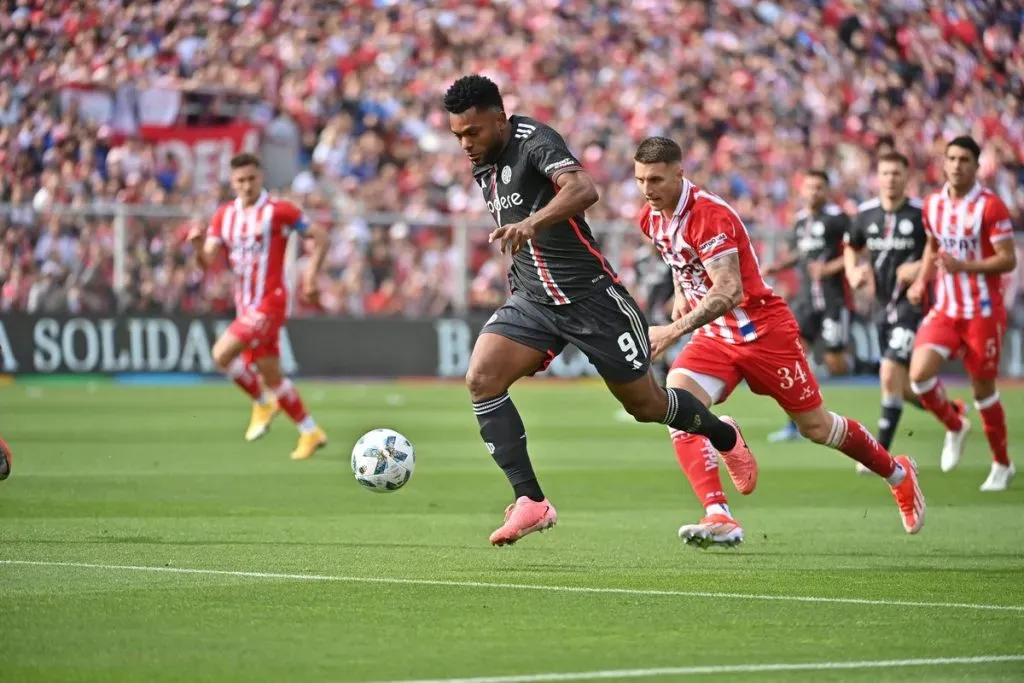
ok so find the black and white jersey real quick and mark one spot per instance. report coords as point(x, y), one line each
point(892, 238)
point(819, 237)
point(562, 263)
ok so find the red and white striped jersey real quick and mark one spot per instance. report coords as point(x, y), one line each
point(967, 229)
point(702, 229)
point(256, 239)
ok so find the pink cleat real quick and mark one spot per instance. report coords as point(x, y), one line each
point(712, 531)
point(524, 517)
point(740, 461)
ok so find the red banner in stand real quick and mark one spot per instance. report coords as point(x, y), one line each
point(204, 153)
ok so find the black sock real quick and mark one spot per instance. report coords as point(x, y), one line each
point(892, 410)
point(687, 414)
point(502, 430)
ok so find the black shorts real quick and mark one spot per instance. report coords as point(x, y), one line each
point(831, 324)
point(607, 327)
point(897, 329)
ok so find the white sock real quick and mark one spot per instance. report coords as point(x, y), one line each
point(308, 425)
point(263, 401)
point(897, 476)
point(718, 509)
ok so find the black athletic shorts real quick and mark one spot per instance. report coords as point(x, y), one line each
point(831, 324)
point(608, 327)
point(897, 328)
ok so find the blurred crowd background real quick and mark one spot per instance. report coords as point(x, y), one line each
point(100, 101)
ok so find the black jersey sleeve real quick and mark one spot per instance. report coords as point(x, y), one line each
point(856, 234)
point(549, 155)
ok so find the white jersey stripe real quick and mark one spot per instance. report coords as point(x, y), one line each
point(265, 223)
point(964, 281)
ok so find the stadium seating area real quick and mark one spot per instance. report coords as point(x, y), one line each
point(755, 92)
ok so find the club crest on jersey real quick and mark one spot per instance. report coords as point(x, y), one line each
point(817, 228)
point(906, 227)
point(506, 175)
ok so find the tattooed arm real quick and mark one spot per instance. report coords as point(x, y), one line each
point(725, 294)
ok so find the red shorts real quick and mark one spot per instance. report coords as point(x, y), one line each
point(773, 365)
point(979, 341)
point(260, 330)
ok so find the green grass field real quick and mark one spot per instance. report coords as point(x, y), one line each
point(118, 491)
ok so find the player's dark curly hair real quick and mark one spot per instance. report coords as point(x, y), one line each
point(968, 143)
point(473, 91)
point(658, 150)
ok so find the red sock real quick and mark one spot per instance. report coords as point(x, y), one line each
point(851, 437)
point(245, 378)
point(933, 399)
point(994, 420)
point(699, 461)
point(290, 401)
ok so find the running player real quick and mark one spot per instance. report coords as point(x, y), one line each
point(815, 249)
point(254, 229)
point(563, 291)
point(885, 244)
point(970, 246)
point(741, 331)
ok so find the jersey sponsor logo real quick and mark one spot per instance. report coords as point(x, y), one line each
point(560, 164)
point(506, 175)
point(959, 244)
point(808, 244)
point(890, 243)
point(710, 245)
point(515, 199)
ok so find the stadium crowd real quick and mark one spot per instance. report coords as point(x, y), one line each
point(755, 91)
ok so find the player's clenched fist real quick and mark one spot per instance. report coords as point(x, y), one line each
point(662, 337)
point(514, 235)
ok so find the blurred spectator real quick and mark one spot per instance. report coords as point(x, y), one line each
point(755, 91)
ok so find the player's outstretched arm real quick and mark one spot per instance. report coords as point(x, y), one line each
point(787, 261)
point(576, 194)
point(321, 242)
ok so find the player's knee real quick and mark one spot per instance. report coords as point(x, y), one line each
point(647, 410)
point(484, 383)
point(222, 357)
point(836, 363)
point(816, 428)
point(983, 389)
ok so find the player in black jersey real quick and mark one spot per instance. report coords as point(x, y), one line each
point(563, 291)
point(886, 242)
point(815, 249)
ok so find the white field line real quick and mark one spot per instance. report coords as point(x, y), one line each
point(519, 586)
point(727, 669)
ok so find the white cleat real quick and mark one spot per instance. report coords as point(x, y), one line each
point(713, 530)
point(953, 446)
point(999, 477)
point(861, 469)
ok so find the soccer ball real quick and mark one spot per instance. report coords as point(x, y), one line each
point(383, 460)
